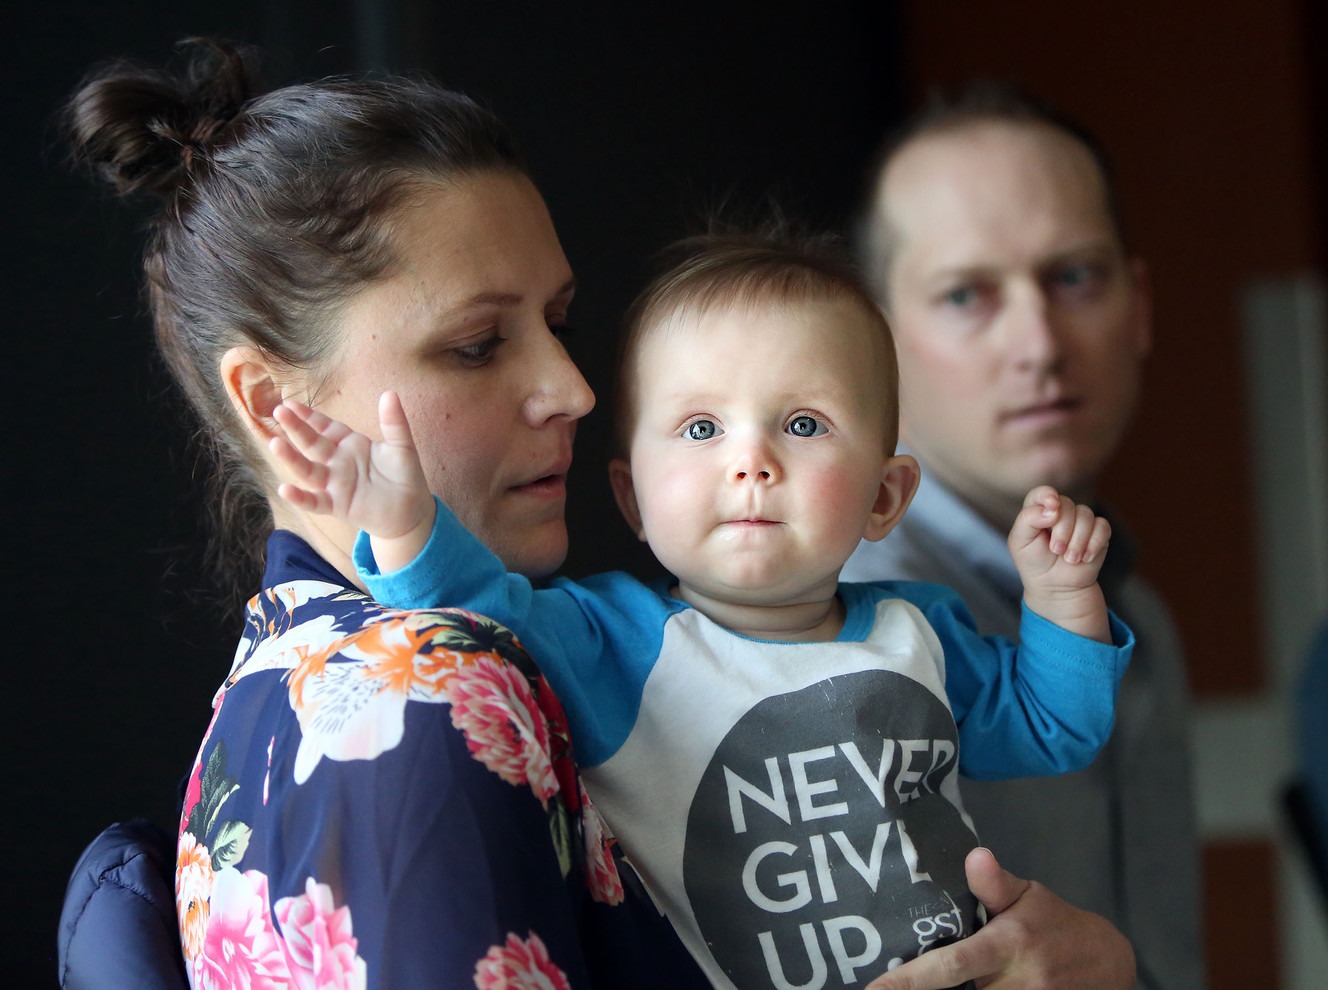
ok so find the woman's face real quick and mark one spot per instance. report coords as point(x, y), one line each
point(466, 331)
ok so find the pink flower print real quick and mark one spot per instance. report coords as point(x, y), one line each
point(194, 790)
point(519, 965)
point(320, 949)
point(601, 871)
point(193, 890)
point(493, 706)
point(241, 948)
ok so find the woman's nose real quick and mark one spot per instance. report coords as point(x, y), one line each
point(560, 390)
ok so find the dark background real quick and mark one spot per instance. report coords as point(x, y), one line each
point(636, 118)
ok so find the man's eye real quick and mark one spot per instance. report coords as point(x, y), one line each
point(1079, 280)
point(805, 426)
point(961, 296)
point(702, 429)
point(1074, 275)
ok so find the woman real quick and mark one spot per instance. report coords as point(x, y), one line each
point(384, 798)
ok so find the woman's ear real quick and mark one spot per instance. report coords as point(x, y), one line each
point(620, 479)
point(252, 386)
point(899, 483)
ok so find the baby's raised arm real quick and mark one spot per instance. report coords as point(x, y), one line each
point(1058, 548)
point(374, 485)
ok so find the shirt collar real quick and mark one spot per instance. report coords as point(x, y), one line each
point(290, 558)
point(936, 508)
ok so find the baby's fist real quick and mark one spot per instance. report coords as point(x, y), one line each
point(1051, 530)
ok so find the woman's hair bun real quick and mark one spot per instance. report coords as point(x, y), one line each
point(146, 129)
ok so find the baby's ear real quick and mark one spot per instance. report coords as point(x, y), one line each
point(620, 478)
point(899, 482)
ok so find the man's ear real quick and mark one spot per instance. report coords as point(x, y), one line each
point(624, 492)
point(899, 483)
point(252, 385)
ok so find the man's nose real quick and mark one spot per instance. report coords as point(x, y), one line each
point(1031, 336)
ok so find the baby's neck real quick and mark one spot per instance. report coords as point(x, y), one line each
point(816, 621)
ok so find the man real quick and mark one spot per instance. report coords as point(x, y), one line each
point(995, 247)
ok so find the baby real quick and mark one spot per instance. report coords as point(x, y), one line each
point(776, 752)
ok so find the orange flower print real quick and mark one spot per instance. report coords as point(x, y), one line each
point(493, 706)
point(354, 709)
point(193, 890)
point(519, 965)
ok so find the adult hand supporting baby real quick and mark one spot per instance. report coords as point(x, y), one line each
point(1034, 941)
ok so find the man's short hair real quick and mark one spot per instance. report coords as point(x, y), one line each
point(726, 267)
point(945, 111)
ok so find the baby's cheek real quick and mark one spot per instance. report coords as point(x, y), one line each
point(834, 485)
point(842, 500)
point(673, 497)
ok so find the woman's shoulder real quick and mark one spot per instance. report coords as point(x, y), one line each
point(406, 758)
point(349, 667)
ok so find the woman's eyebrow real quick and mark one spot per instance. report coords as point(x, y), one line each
point(494, 299)
point(512, 298)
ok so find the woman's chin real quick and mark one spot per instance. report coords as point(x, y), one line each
point(535, 553)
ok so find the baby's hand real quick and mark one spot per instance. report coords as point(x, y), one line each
point(1058, 548)
point(374, 485)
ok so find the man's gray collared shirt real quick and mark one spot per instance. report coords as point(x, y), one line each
point(1118, 838)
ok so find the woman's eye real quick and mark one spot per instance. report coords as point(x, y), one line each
point(806, 426)
point(479, 353)
point(702, 429)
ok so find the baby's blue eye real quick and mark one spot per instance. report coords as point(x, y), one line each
point(806, 426)
point(702, 429)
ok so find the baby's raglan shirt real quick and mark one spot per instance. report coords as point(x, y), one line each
point(793, 807)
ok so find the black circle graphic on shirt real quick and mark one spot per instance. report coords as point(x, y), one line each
point(818, 846)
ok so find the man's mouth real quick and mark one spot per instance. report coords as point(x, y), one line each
point(1040, 413)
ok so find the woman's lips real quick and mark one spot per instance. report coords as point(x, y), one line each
point(551, 485)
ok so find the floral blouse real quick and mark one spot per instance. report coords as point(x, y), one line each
point(386, 798)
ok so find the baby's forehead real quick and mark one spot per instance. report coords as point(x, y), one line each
point(834, 350)
point(836, 313)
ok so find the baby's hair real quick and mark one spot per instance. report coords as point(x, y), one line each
point(728, 268)
point(274, 209)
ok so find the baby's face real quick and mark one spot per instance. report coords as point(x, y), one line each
point(759, 446)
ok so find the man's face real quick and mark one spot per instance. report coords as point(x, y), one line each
point(1019, 321)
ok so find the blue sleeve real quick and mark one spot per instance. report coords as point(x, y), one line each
point(595, 641)
point(1043, 706)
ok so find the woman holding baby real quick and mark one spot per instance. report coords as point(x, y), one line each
point(387, 798)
